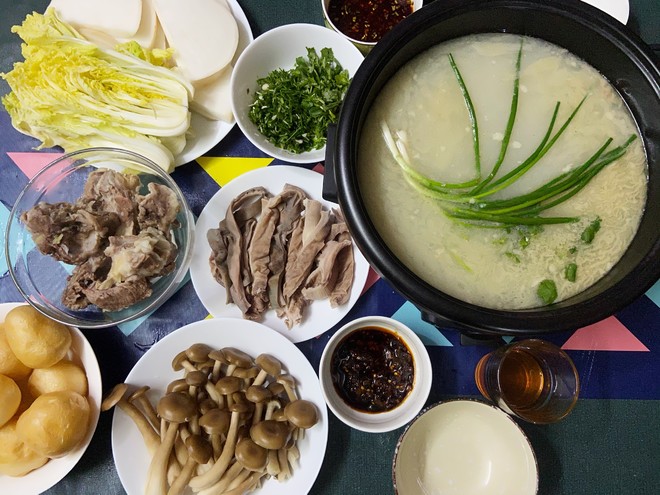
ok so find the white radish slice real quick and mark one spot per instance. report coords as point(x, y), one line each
point(119, 18)
point(213, 96)
point(203, 34)
point(146, 33)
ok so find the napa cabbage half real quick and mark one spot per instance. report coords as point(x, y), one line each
point(72, 93)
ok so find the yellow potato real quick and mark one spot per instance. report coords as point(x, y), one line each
point(37, 341)
point(55, 423)
point(64, 375)
point(9, 363)
point(15, 458)
point(10, 398)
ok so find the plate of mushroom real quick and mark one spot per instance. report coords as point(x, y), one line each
point(219, 406)
point(270, 249)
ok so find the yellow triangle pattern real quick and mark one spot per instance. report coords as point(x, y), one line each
point(222, 169)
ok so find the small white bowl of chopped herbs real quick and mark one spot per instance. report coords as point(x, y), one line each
point(288, 86)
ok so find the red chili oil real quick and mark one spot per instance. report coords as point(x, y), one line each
point(372, 370)
point(367, 20)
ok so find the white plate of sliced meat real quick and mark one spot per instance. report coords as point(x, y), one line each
point(268, 248)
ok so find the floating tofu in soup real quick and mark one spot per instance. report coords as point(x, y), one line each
point(203, 33)
point(120, 18)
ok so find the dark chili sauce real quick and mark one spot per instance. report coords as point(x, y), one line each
point(372, 370)
point(367, 20)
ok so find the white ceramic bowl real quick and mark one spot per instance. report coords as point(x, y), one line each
point(53, 471)
point(464, 447)
point(411, 405)
point(278, 49)
point(364, 46)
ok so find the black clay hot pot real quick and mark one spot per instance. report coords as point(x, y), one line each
point(590, 34)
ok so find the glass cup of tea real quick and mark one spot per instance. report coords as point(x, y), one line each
point(531, 379)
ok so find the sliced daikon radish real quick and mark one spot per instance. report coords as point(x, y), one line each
point(100, 38)
point(159, 36)
point(203, 33)
point(146, 33)
point(119, 18)
point(213, 97)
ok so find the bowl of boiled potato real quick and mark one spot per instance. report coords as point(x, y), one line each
point(50, 394)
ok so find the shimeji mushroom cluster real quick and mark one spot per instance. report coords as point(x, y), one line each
point(229, 423)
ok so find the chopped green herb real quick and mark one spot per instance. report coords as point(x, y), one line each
point(590, 232)
point(512, 256)
point(547, 291)
point(293, 108)
point(572, 250)
point(570, 272)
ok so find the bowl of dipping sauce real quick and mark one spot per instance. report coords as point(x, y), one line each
point(464, 446)
point(375, 374)
point(365, 22)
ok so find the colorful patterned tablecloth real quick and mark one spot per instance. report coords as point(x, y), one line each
point(610, 444)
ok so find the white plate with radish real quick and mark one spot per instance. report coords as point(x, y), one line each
point(173, 58)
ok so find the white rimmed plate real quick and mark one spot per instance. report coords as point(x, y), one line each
point(619, 9)
point(207, 133)
point(464, 447)
point(154, 369)
point(318, 316)
point(54, 470)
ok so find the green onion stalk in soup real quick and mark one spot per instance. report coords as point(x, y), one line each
point(523, 152)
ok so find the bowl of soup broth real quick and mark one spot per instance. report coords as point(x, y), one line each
point(497, 164)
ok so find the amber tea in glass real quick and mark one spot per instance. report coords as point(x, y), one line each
point(532, 379)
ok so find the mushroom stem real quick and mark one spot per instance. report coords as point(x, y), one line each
point(142, 402)
point(157, 475)
point(223, 483)
point(222, 463)
point(285, 472)
point(273, 466)
point(116, 398)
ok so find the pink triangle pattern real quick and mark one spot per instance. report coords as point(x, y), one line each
point(31, 162)
point(606, 335)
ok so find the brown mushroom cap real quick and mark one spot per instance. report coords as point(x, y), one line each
point(114, 396)
point(270, 434)
point(249, 373)
point(269, 364)
point(180, 361)
point(276, 388)
point(198, 353)
point(206, 405)
point(301, 413)
point(177, 407)
point(218, 355)
point(215, 421)
point(196, 378)
point(140, 392)
point(252, 457)
point(228, 385)
point(238, 358)
point(257, 394)
point(199, 449)
point(177, 385)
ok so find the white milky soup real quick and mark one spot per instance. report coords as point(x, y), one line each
point(493, 266)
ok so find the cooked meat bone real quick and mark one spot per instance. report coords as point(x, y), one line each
point(118, 238)
point(68, 232)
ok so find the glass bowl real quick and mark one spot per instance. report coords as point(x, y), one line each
point(41, 278)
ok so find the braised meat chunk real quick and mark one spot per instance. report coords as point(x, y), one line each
point(68, 232)
point(119, 239)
